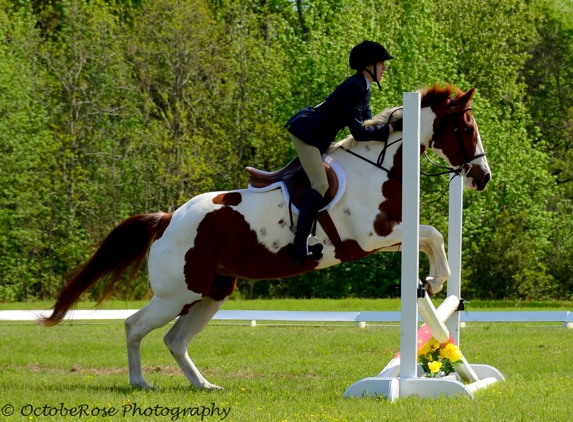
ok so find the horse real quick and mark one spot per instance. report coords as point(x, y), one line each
point(196, 253)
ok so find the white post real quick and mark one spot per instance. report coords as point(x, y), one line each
point(410, 235)
point(455, 250)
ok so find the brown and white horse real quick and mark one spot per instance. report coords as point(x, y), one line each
point(196, 253)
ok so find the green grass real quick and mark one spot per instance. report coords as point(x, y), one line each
point(278, 373)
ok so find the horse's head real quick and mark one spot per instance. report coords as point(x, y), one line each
point(456, 136)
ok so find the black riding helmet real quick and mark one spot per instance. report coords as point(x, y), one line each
point(366, 53)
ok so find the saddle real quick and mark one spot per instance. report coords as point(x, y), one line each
point(296, 181)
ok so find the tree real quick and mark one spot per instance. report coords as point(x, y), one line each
point(25, 160)
point(112, 108)
point(549, 77)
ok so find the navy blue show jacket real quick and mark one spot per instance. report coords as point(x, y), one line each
point(348, 106)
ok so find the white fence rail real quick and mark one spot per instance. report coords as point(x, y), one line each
point(564, 317)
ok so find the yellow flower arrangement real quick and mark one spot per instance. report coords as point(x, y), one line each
point(438, 359)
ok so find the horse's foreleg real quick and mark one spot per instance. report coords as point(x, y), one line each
point(155, 314)
point(432, 243)
point(184, 330)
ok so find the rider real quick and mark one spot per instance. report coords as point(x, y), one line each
point(312, 130)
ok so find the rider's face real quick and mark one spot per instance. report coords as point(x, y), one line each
point(380, 69)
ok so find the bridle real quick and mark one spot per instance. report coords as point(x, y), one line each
point(461, 170)
point(467, 165)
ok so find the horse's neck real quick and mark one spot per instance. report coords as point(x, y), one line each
point(362, 162)
point(374, 151)
point(427, 118)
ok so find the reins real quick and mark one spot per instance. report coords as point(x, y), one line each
point(382, 155)
point(380, 159)
point(459, 171)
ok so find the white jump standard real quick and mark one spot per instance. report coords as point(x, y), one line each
point(403, 376)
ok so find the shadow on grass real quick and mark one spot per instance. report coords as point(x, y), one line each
point(125, 390)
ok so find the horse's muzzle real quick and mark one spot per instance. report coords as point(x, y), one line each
point(481, 184)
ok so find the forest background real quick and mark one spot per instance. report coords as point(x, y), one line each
point(115, 108)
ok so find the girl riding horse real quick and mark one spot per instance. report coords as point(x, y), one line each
point(313, 129)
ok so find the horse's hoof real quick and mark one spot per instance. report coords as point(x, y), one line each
point(433, 287)
point(213, 387)
point(143, 386)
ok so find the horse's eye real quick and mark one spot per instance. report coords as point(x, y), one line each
point(469, 129)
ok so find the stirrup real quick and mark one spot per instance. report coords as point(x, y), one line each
point(315, 250)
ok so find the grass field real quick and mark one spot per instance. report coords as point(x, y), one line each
point(272, 373)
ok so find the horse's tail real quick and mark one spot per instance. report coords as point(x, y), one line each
point(125, 247)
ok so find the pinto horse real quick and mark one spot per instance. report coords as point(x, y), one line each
point(196, 253)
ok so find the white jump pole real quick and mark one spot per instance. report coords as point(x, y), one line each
point(410, 236)
point(455, 214)
point(394, 387)
point(486, 374)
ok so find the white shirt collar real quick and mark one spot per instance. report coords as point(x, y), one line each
point(368, 83)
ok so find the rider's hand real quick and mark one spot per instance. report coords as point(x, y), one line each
point(397, 125)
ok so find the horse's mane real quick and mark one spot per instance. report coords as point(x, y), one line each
point(435, 94)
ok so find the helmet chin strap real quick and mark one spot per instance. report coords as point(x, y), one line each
point(373, 75)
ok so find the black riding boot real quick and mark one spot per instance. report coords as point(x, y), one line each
point(306, 219)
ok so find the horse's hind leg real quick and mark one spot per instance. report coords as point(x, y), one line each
point(155, 314)
point(192, 323)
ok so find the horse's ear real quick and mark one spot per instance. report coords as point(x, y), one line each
point(471, 93)
point(467, 97)
point(462, 102)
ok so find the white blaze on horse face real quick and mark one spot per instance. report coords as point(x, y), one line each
point(481, 161)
